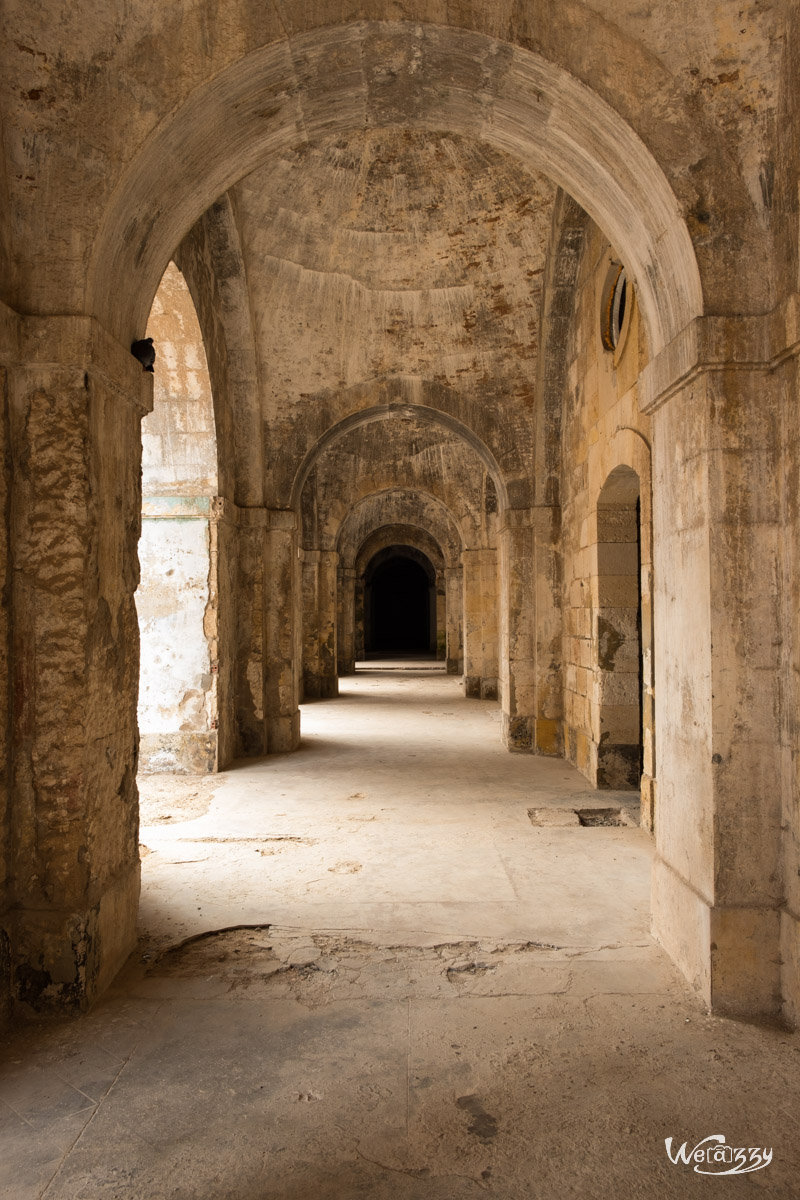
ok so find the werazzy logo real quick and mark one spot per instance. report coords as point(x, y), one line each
point(712, 1156)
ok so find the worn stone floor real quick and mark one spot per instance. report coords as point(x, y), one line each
point(364, 972)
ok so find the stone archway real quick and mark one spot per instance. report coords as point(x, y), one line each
point(536, 110)
point(419, 546)
point(510, 97)
point(177, 599)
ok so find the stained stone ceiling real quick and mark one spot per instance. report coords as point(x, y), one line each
point(396, 252)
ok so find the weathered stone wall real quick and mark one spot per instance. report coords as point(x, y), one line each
point(178, 702)
point(177, 690)
point(604, 576)
point(9, 334)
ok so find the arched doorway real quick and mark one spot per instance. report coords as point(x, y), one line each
point(618, 633)
point(399, 603)
point(177, 593)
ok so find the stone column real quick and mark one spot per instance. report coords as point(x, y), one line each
point(480, 623)
point(454, 604)
point(360, 618)
point(518, 632)
point(717, 890)
point(346, 620)
point(76, 399)
point(548, 732)
point(282, 631)
point(269, 624)
point(221, 621)
point(319, 568)
point(9, 354)
point(251, 575)
point(648, 782)
point(786, 347)
point(438, 619)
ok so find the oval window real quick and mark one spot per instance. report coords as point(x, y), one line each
point(615, 303)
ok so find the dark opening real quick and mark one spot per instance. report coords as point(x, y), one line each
point(614, 304)
point(399, 609)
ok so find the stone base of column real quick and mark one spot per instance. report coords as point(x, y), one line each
point(518, 733)
point(283, 733)
point(346, 666)
point(178, 753)
point(455, 666)
point(729, 955)
point(478, 687)
point(581, 752)
point(65, 959)
point(320, 687)
point(618, 766)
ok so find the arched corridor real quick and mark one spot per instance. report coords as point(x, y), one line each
point(398, 419)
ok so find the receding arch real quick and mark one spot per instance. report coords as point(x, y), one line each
point(415, 518)
point(380, 412)
point(507, 96)
point(411, 536)
point(400, 507)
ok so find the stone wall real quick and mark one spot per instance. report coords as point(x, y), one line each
point(9, 334)
point(787, 333)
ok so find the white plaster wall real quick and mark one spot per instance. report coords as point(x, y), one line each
point(175, 682)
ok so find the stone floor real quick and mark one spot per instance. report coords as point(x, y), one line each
point(364, 972)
